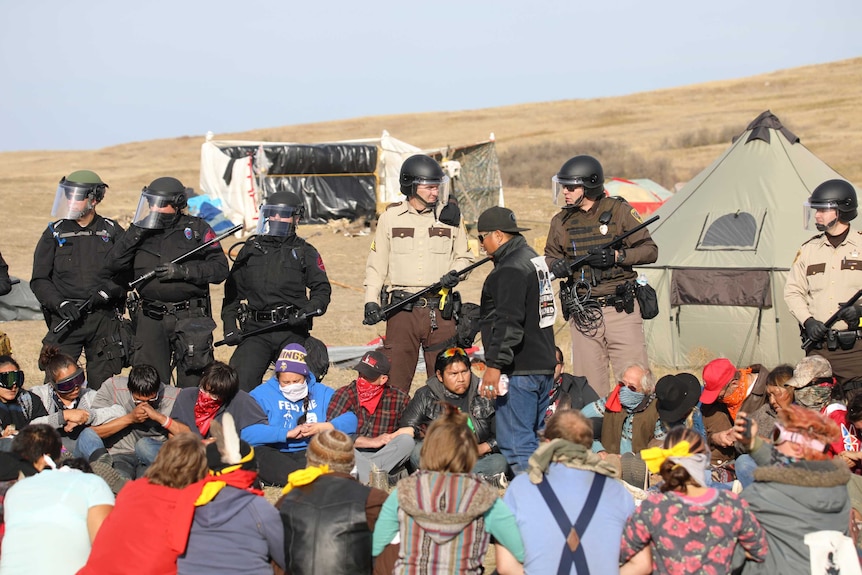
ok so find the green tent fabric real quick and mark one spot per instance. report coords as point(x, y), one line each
point(726, 242)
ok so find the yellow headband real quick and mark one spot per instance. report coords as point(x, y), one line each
point(655, 456)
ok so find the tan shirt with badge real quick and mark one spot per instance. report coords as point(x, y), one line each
point(411, 251)
point(822, 277)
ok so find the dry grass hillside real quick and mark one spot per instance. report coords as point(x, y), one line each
point(683, 129)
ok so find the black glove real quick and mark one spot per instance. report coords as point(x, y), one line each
point(233, 338)
point(600, 258)
point(815, 330)
point(172, 272)
point(372, 314)
point(101, 294)
point(68, 310)
point(561, 269)
point(450, 280)
point(850, 314)
point(296, 319)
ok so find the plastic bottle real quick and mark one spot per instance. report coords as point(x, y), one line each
point(642, 279)
point(503, 388)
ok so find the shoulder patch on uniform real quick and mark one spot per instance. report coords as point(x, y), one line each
point(320, 263)
point(637, 216)
point(373, 246)
point(798, 253)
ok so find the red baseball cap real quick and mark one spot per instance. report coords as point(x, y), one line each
point(716, 374)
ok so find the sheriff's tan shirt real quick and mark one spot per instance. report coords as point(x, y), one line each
point(822, 277)
point(412, 251)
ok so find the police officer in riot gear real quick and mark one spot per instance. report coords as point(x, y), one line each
point(827, 271)
point(173, 322)
point(417, 243)
point(606, 325)
point(68, 270)
point(277, 278)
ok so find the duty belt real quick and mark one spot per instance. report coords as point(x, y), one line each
point(278, 314)
point(158, 309)
point(608, 300)
point(398, 295)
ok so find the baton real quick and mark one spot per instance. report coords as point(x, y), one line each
point(267, 328)
point(808, 343)
point(421, 293)
point(81, 307)
point(218, 238)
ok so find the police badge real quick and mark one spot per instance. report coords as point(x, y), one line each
point(603, 229)
point(188, 233)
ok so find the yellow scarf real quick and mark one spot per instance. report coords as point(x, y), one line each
point(304, 477)
point(655, 456)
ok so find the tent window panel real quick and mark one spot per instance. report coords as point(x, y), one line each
point(731, 232)
point(329, 197)
point(733, 287)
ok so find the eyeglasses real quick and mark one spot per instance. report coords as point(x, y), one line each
point(453, 351)
point(11, 379)
point(151, 401)
point(72, 382)
point(630, 387)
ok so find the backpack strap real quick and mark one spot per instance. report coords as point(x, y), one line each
point(573, 552)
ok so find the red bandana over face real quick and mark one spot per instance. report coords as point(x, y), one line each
point(369, 394)
point(205, 411)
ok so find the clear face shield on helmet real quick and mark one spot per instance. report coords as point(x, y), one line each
point(278, 220)
point(568, 192)
point(154, 212)
point(819, 215)
point(432, 191)
point(73, 200)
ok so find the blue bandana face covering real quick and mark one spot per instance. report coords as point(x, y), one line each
point(630, 399)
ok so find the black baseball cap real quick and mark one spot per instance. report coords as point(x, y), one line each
point(498, 218)
point(373, 364)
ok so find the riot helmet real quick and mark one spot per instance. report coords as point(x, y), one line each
point(160, 203)
point(422, 170)
point(580, 171)
point(279, 214)
point(77, 195)
point(838, 195)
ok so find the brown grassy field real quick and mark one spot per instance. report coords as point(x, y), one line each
point(685, 127)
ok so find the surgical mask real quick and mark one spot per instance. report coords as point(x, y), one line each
point(294, 392)
point(630, 399)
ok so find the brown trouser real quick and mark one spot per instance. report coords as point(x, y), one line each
point(405, 332)
point(846, 364)
point(620, 341)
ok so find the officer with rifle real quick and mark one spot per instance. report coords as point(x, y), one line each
point(601, 302)
point(173, 318)
point(417, 242)
point(277, 283)
point(823, 285)
point(82, 307)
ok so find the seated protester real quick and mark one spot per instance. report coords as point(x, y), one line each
point(129, 443)
point(853, 457)
point(727, 391)
point(571, 392)
point(444, 515)
point(218, 393)
point(235, 529)
point(456, 385)
point(690, 527)
point(566, 477)
point(149, 526)
point(295, 405)
point(12, 468)
point(778, 395)
point(629, 413)
point(64, 506)
point(798, 490)
point(328, 516)
point(68, 400)
point(18, 406)
point(677, 398)
point(378, 408)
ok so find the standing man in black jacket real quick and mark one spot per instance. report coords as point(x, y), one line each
point(517, 320)
point(174, 319)
point(267, 285)
point(68, 270)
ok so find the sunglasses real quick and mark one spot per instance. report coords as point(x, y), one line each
point(630, 387)
point(11, 379)
point(68, 384)
point(453, 351)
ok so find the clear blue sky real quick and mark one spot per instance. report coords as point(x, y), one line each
point(83, 75)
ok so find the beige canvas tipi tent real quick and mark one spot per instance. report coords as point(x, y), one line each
point(726, 242)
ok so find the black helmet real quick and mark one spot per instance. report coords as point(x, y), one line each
point(279, 214)
point(835, 194)
point(420, 169)
point(583, 171)
point(170, 188)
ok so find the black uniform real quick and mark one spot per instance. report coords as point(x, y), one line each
point(174, 317)
point(69, 265)
point(271, 274)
